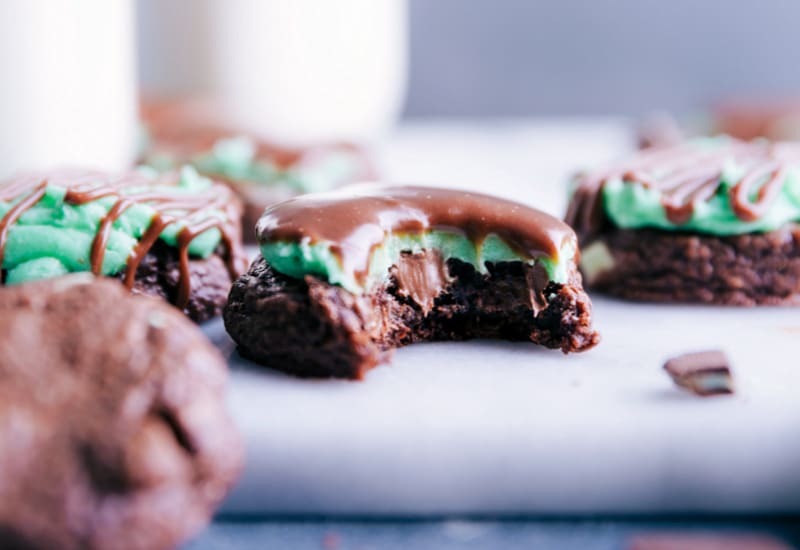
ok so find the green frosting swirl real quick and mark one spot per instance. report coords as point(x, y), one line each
point(54, 237)
point(305, 258)
point(629, 205)
point(235, 159)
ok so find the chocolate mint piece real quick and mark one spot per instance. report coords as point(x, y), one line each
point(702, 373)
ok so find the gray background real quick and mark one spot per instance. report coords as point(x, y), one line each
point(535, 57)
point(524, 57)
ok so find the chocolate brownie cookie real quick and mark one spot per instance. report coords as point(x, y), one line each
point(346, 277)
point(176, 236)
point(777, 120)
point(113, 431)
point(261, 173)
point(712, 220)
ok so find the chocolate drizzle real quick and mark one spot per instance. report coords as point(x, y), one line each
point(686, 175)
point(170, 208)
point(358, 219)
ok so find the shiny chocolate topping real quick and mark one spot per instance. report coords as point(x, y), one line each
point(686, 174)
point(170, 208)
point(357, 219)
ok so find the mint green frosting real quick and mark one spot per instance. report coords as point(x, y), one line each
point(630, 205)
point(305, 258)
point(235, 159)
point(53, 237)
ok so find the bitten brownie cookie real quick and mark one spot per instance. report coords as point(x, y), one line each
point(346, 277)
point(261, 173)
point(176, 236)
point(711, 220)
point(113, 431)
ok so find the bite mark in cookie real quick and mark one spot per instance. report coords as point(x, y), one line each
point(348, 276)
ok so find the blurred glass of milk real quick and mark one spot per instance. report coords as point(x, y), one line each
point(68, 92)
point(305, 71)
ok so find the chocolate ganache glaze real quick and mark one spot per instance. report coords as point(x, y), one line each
point(354, 222)
point(193, 214)
point(689, 175)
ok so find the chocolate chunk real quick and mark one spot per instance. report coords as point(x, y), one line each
point(421, 277)
point(703, 373)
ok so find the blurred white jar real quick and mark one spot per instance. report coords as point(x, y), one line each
point(305, 71)
point(68, 91)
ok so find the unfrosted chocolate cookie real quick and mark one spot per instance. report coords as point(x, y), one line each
point(176, 235)
point(711, 220)
point(346, 277)
point(113, 432)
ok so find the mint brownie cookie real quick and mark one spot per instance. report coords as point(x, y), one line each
point(262, 176)
point(345, 277)
point(712, 220)
point(176, 235)
point(260, 173)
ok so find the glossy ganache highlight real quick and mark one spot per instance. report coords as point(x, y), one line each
point(73, 220)
point(353, 236)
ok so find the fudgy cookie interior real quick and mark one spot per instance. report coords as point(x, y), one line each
point(310, 328)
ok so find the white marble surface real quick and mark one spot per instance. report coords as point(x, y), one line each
point(494, 427)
